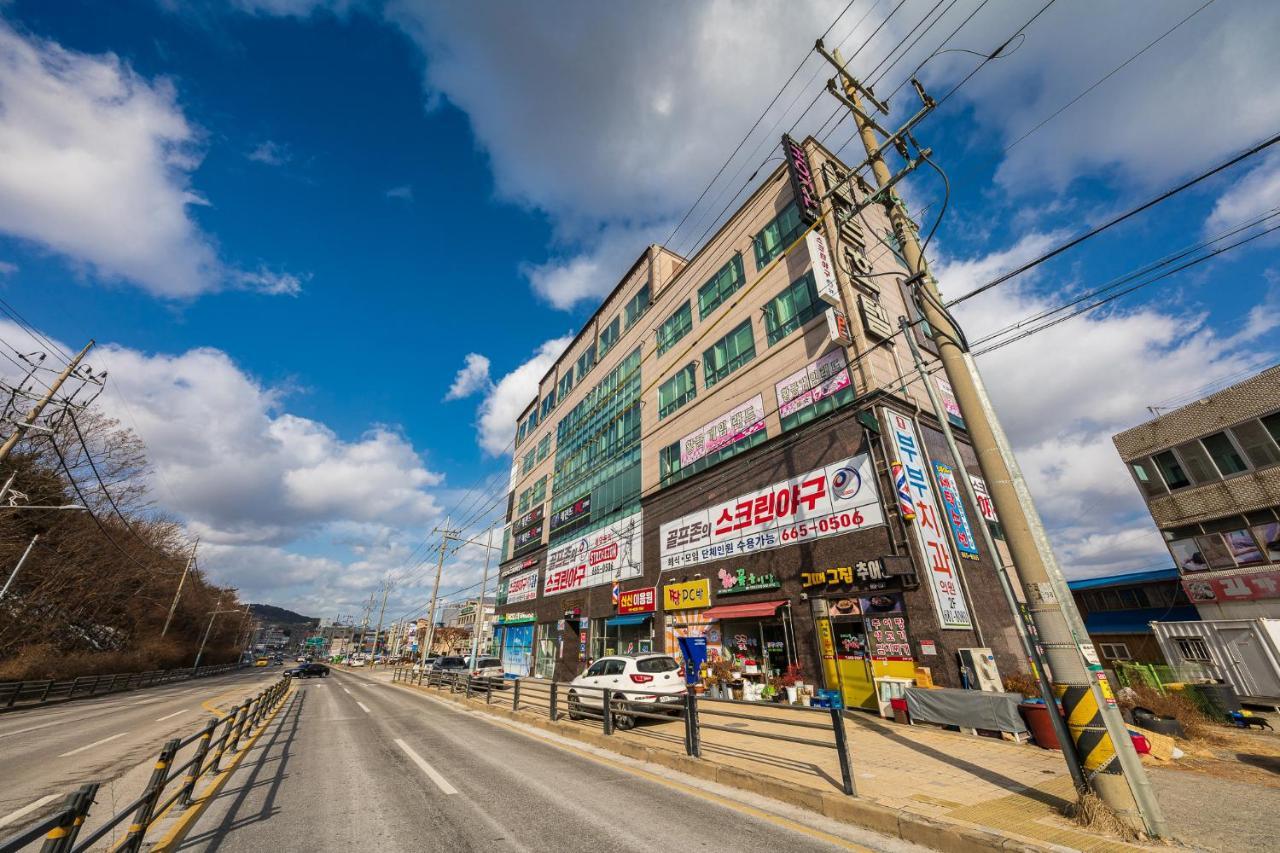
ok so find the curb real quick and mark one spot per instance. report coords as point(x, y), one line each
point(176, 833)
point(867, 814)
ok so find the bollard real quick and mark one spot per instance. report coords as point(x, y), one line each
point(515, 695)
point(555, 689)
point(692, 746)
point(54, 839)
point(222, 743)
point(84, 802)
point(142, 818)
point(608, 711)
point(488, 691)
point(842, 750)
point(197, 767)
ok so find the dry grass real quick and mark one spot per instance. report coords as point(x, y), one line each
point(1091, 813)
point(44, 661)
point(1194, 722)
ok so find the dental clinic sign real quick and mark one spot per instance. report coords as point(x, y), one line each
point(943, 570)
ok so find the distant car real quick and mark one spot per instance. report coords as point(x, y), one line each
point(652, 682)
point(261, 662)
point(357, 661)
point(300, 659)
point(425, 665)
point(449, 663)
point(308, 670)
point(487, 667)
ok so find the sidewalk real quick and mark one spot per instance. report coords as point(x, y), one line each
point(925, 776)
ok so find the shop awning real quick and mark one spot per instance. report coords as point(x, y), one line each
point(743, 611)
point(629, 619)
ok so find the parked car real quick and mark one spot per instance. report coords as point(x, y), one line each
point(356, 662)
point(308, 670)
point(425, 664)
point(653, 683)
point(491, 668)
point(449, 663)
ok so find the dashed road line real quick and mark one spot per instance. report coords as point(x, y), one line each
point(26, 810)
point(432, 774)
point(171, 716)
point(92, 745)
point(364, 707)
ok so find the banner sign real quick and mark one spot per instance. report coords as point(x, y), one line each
point(574, 511)
point(612, 552)
point(812, 383)
point(986, 508)
point(733, 426)
point(803, 187)
point(824, 269)
point(744, 581)
point(953, 611)
point(949, 403)
point(861, 573)
point(530, 518)
point(642, 600)
point(827, 501)
point(687, 595)
point(525, 538)
point(838, 328)
point(518, 588)
point(957, 517)
point(887, 636)
point(1260, 585)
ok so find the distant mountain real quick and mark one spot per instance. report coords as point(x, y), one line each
point(279, 616)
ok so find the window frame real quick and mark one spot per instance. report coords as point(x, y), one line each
point(631, 312)
point(732, 363)
point(1108, 651)
point(612, 331)
point(689, 394)
point(685, 328)
point(1232, 446)
point(1189, 646)
point(764, 257)
point(798, 319)
point(1164, 475)
point(718, 282)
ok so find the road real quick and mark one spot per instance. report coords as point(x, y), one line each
point(47, 752)
point(352, 762)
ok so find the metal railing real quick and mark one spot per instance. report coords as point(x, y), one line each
point(25, 694)
point(618, 709)
point(60, 831)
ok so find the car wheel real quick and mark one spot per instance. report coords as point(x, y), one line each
point(575, 709)
point(623, 720)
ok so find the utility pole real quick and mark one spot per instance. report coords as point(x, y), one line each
point(174, 606)
point(386, 588)
point(1101, 738)
point(18, 567)
point(213, 614)
point(445, 535)
point(30, 419)
point(364, 623)
point(484, 584)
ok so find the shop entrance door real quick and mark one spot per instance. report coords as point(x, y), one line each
point(853, 670)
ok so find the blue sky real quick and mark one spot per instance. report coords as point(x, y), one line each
point(329, 247)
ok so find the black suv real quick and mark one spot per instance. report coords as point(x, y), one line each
point(308, 670)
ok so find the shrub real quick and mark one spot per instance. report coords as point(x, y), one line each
point(1182, 709)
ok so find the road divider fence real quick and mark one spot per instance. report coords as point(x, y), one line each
point(59, 832)
point(26, 694)
point(619, 709)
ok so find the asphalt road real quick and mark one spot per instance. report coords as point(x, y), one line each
point(46, 752)
point(355, 763)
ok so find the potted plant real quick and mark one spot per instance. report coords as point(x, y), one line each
point(776, 689)
point(750, 667)
point(792, 681)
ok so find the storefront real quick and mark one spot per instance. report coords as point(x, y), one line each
point(513, 641)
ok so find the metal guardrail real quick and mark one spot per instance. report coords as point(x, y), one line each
point(26, 694)
point(60, 831)
point(616, 709)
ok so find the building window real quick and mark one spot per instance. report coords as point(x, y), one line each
point(1272, 423)
point(548, 403)
point(1144, 473)
point(1196, 462)
point(637, 306)
point(539, 491)
point(1193, 649)
point(728, 354)
point(529, 459)
point(544, 446)
point(523, 505)
point(1171, 470)
point(586, 361)
point(610, 335)
point(1256, 443)
point(566, 384)
point(1114, 651)
point(721, 286)
point(678, 390)
point(520, 432)
point(1224, 453)
point(792, 308)
point(671, 471)
point(675, 327)
point(777, 235)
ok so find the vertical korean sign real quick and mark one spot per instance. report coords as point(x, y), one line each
point(942, 568)
point(957, 517)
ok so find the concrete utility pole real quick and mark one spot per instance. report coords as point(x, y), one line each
point(364, 623)
point(18, 568)
point(12, 440)
point(174, 606)
point(445, 535)
point(484, 583)
point(1099, 733)
point(386, 588)
point(213, 614)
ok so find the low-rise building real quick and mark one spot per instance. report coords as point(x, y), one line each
point(1118, 611)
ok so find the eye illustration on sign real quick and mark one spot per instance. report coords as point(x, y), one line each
point(845, 483)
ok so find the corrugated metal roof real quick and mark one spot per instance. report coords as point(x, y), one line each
point(1169, 574)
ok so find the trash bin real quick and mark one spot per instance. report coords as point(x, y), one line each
point(899, 707)
point(1037, 717)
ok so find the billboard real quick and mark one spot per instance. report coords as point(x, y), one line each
point(812, 383)
point(734, 425)
point(611, 553)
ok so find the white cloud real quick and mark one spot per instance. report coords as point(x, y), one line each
point(1064, 392)
point(472, 377)
point(1253, 194)
point(506, 399)
point(95, 163)
point(7, 268)
point(295, 8)
point(404, 192)
point(591, 272)
point(270, 153)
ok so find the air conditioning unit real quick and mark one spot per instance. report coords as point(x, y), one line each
point(978, 667)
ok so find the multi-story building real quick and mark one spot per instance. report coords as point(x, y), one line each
point(472, 616)
point(736, 446)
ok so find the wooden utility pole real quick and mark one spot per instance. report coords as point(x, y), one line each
point(1101, 738)
point(25, 424)
point(182, 580)
point(446, 534)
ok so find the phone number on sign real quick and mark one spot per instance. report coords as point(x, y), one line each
point(823, 525)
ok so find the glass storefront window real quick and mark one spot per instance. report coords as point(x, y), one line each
point(545, 651)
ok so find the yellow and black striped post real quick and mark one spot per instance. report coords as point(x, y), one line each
point(146, 809)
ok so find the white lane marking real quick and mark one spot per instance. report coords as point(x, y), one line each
point(92, 745)
point(33, 728)
point(346, 691)
point(26, 810)
point(432, 774)
point(171, 716)
point(365, 707)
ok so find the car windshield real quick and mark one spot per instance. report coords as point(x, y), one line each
point(486, 663)
point(452, 662)
point(657, 665)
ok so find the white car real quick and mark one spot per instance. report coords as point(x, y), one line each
point(645, 682)
point(357, 661)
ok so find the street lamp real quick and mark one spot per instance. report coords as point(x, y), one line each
point(212, 615)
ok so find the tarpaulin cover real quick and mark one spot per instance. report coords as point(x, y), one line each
point(968, 709)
